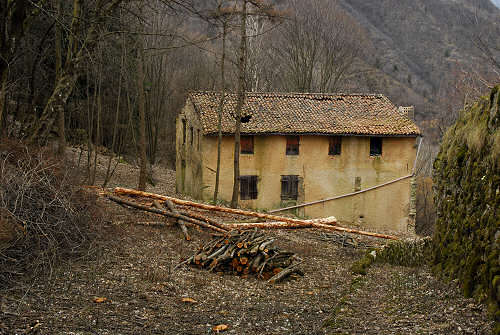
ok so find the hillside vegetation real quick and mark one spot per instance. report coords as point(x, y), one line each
point(421, 46)
point(467, 181)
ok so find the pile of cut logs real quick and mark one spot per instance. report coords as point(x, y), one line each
point(244, 253)
point(240, 248)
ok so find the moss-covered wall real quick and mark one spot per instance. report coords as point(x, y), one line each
point(467, 192)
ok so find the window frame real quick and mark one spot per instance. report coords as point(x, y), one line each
point(247, 150)
point(376, 145)
point(292, 145)
point(248, 187)
point(334, 145)
point(191, 129)
point(289, 187)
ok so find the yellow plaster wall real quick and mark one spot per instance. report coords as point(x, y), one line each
point(189, 179)
point(323, 176)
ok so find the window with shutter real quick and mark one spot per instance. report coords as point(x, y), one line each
point(292, 145)
point(335, 146)
point(248, 187)
point(246, 144)
point(289, 187)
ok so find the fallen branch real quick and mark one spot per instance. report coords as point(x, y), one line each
point(280, 221)
point(354, 231)
point(282, 274)
point(181, 224)
point(130, 192)
point(310, 224)
point(165, 213)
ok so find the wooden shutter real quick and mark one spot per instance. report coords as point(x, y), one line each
point(246, 144)
point(248, 187)
point(289, 187)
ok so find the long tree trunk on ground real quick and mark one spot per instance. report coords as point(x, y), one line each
point(239, 105)
point(221, 108)
point(142, 117)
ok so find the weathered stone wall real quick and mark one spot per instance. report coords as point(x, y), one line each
point(467, 194)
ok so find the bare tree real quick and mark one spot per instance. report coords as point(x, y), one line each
point(240, 102)
point(318, 47)
point(15, 17)
point(77, 52)
point(260, 9)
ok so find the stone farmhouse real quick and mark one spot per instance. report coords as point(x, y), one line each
point(301, 148)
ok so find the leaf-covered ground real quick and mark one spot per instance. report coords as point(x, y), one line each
point(132, 266)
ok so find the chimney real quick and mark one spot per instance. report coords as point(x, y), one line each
point(408, 111)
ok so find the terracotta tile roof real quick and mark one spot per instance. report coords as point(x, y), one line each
point(306, 113)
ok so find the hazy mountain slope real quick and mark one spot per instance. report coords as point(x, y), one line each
point(418, 42)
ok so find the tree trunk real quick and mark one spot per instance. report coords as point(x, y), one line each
point(239, 105)
point(142, 117)
point(115, 125)
point(221, 108)
point(3, 101)
point(58, 40)
point(40, 129)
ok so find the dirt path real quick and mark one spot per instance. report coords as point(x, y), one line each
point(133, 268)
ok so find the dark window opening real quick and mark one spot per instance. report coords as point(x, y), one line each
point(292, 145)
point(375, 146)
point(289, 187)
point(199, 140)
point(183, 175)
point(248, 187)
point(192, 135)
point(183, 131)
point(246, 144)
point(335, 146)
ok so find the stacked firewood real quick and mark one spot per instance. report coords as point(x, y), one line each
point(244, 253)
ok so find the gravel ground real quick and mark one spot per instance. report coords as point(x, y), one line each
point(132, 266)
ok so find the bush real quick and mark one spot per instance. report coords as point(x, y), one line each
point(44, 215)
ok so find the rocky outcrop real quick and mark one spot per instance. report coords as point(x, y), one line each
point(467, 192)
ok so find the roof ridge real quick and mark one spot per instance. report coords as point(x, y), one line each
point(291, 94)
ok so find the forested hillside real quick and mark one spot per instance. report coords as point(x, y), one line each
point(71, 70)
point(423, 47)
